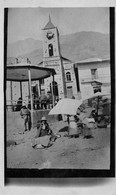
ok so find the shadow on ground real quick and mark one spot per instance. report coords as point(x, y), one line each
point(63, 129)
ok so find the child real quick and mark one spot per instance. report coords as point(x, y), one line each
point(25, 114)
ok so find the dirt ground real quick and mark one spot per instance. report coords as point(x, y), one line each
point(78, 153)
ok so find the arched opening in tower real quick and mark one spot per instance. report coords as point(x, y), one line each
point(50, 49)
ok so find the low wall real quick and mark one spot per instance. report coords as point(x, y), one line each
point(38, 114)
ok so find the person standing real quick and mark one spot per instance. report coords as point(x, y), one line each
point(26, 115)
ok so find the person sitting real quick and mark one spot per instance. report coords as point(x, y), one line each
point(43, 128)
point(48, 99)
point(86, 124)
point(45, 137)
point(43, 100)
point(36, 102)
point(25, 114)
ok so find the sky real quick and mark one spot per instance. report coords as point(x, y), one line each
point(26, 23)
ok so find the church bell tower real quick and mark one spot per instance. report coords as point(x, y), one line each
point(51, 49)
point(52, 57)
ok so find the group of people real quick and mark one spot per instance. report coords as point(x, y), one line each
point(45, 136)
point(39, 102)
point(42, 101)
point(79, 124)
point(89, 118)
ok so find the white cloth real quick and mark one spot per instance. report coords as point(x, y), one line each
point(43, 140)
point(90, 120)
point(72, 123)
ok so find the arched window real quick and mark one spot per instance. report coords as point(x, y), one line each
point(68, 76)
point(50, 49)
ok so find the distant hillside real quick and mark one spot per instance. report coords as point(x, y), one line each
point(83, 45)
point(22, 47)
point(76, 47)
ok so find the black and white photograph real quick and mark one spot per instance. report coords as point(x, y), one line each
point(58, 86)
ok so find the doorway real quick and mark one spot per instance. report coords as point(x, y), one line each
point(55, 88)
point(69, 92)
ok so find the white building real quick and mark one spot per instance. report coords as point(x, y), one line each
point(93, 74)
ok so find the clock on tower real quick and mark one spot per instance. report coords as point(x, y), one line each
point(50, 35)
point(50, 41)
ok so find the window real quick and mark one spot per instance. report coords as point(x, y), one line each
point(50, 49)
point(94, 73)
point(97, 89)
point(68, 76)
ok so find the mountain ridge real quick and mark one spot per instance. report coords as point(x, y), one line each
point(76, 46)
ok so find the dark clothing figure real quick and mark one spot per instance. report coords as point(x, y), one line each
point(29, 104)
point(19, 104)
point(37, 103)
point(44, 104)
point(94, 114)
point(43, 129)
point(25, 114)
point(68, 119)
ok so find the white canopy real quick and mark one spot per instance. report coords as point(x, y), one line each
point(66, 106)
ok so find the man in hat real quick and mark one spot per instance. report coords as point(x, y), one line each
point(25, 114)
